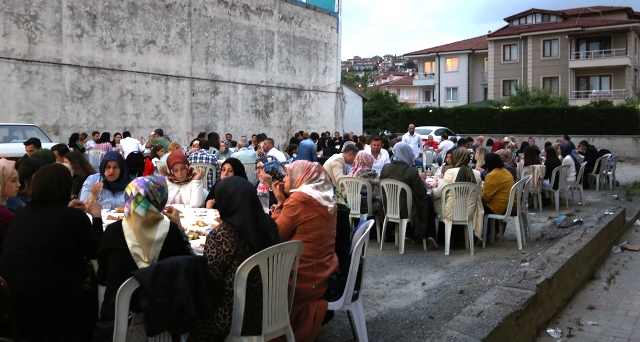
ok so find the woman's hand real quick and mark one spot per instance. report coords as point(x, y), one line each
point(96, 189)
point(93, 208)
point(278, 191)
point(199, 174)
point(173, 215)
point(76, 203)
point(423, 176)
point(210, 203)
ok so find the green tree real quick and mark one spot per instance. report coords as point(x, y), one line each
point(348, 78)
point(525, 96)
point(410, 64)
point(380, 111)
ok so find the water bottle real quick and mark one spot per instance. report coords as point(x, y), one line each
point(263, 195)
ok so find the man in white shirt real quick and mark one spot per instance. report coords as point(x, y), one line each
point(270, 150)
point(414, 140)
point(444, 146)
point(380, 155)
point(129, 144)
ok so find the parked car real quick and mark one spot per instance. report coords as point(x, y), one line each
point(12, 135)
point(435, 132)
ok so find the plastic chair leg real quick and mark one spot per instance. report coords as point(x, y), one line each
point(556, 195)
point(378, 229)
point(485, 227)
point(539, 194)
point(469, 237)
point(361, 323)
point(518, 231)
point(384, 229)
point(402, 227)
point(447, 236)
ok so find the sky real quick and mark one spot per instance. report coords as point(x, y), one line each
point(379, 27)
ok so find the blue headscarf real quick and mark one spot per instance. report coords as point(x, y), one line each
point(123, 180)
point(404, 153)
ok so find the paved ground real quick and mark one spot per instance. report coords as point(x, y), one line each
point(410, 297)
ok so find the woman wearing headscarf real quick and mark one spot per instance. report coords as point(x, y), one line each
point(507, 161)
point(460, 172)
point(44, 260)
point(28, 167)
point(422, 213)
point(362, 168)
point(9, 187)
point(497, 145)
point(75, 143)
point(224, 152)
point(142, 238)
point(308, 215)
point(107, 186)
point(244, 231)
point(568, 158)
point(229, 168)
point(184, 184)
point(496, 189)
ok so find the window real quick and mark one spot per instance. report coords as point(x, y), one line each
point(429, 67)
point(398, 92)
point(428, 96)
point(591, 47)
point(510, 52)
point(451, 64)
point(552, 84)
point(550, 48)
point(509, 87)
point(452, 94)
point(594, 83)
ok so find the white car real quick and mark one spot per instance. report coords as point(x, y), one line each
point(12, 135)
point(435, 132)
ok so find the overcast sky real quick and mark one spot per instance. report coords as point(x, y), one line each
point(378, 27)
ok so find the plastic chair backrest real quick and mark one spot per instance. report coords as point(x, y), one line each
point(250, 170)
point(358, 233)
point(524, 199)
point(276, 263)
point(562, 178)
point(580, 176)
point(95, 157)
point(352, 190)
point(461, 193)
point(358, 254)
point(207, 168)
point(123, 299)
point(537, 170)
point(162, 167)
point(599, 166)
point(393, 190)
point(428, 158)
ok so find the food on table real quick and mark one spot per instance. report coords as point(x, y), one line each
point(199, 223)
point(114, 218)
point(119, 209)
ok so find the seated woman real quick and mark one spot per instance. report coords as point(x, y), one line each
point(496, 189)
point(245, 230)
point(224, 152)
point(142, 238)
point(80, 170)
point(75, 143)
point(155, 153)
point(28, 167)
point(308, 215)
point(460, 172)
point(329, 148)
point(265, 178)
point(568, 158)
point(507, 160)
point(44, 260)
point(446, 165)
point(551, 161)
point(9, 187)
point(229, 168)
point(172, 147)
point(184, 184)
point(422, 212)
point(107, 186)
point(104, 144)
point(115, 143)
point(362, 168)
point(479, 159)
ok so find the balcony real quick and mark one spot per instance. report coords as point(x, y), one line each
point(600, 58)
point(598, 94)
point(425, 79)
point(427, 104)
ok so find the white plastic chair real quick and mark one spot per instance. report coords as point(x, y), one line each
point(578, 184)
point(346, 301)
point(610, 175)
point(461, 193)
point(535, 185)
point(599, 172)
point(352, 187)
point(95, 157)
point(514, 197)
point(277, 265)
point(525, 223)
point(121, 329)
point(562, 184)
point(162, 167)
point(429, 159)
point(250, 170)
point(392, 189)
point(207, 168)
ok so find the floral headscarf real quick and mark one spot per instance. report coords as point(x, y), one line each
point(311, 179)
point(363, 160)
point(145, 194)
point(506, 156)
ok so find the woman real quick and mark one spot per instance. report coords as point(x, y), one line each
point(292, 152)
point(446, 165)
point(28, 167)
point(104, 144)
point(551, 161)
point(329, 148)
point(214, 140)
point(460, 172)
point(308, 215)
point(362, 168)
point(229, 168)
point(507, 160)
point(44, 260)
point(10, 185)
point(529, 158)
point(260, 150)
point(497, 145)
point(80, 170)
point(479, 158)
point(422, 212)
point(75, 143)
point(115, 143)
point(107, 186)
point(142, 238)
point(172, 147)
point(224, 152)
point(184, 184)
point(496, 188)
point(244, 231)
point(265, 178)
point(568, 158)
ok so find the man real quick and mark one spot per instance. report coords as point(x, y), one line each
point(129, 144)
point(95, 137)
point(431, 144)
point(254, 142)
point(205, 157)
point(414, 140)
point(445, 145)
point(60, 150)
point(269, 149)
point(227, 138)
point(567, 139)
point(244, 154)
point(157, 138)
point(336, 165)
point(590, 155)
point(380, 155)
point(307, 150)
point(31, 145)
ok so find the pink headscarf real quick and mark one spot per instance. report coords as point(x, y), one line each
point(311, 179)
point(363, 160)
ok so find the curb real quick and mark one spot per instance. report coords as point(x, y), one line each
point(523, 303)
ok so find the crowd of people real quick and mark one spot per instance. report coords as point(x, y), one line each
point(51, 223)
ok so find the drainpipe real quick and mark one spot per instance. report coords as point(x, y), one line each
point(521, 61)
point(438, 84)
point(469, 77)
point(568, 67)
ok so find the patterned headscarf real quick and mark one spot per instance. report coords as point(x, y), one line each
point(404, 153)
point(506, 156)
point(145, 194)
point(311, 179)
point(177, 157)
point(363, 160)
point(6, 168)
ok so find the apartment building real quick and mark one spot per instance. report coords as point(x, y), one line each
point(585, 53)
point(453, 74)
point(402, 86)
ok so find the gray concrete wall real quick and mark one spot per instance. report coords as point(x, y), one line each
point(352, 121)
point(241, 66)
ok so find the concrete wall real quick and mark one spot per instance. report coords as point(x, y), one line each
point(352, 120)
point(239, 66)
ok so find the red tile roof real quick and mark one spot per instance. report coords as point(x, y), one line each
point(405, 81)
point(570, 23)
point(573, 12)
point(476, 43)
